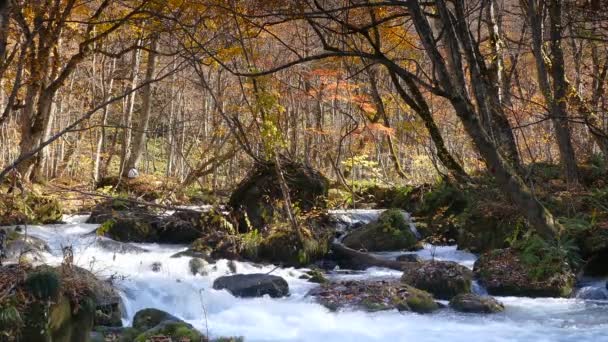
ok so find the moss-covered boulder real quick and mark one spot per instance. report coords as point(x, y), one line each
point(391, 231)
point(472, 303)
point(53, 306)
point(283, 245)
point(374, 296)
point(176, 331)
point(154, 323)
point(506, 273)
point(258, 199)
point(443, 279)
point(149, 318)
point(124, 221)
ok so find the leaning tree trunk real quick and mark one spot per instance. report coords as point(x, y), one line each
point(506, 176)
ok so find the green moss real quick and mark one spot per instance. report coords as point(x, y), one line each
point(390, 232)
point(44, 285)
point(176, 330)
point(10, 319)
point(316, 276)
point(284, 246)
point(420, 301)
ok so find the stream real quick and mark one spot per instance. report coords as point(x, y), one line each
point(174, 289)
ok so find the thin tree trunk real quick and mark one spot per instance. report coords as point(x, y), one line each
point(141, 126)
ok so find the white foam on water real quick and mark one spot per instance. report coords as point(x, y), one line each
point(298, 318)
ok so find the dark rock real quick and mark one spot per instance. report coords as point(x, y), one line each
point(149, 318)
point(258, 194)
point(190, 253)
point(119, 247)
point(156, 266)
point(409, 258)
point(198, 266)
point(472, 303)
point(108, 309)
point(374, 296)
point(504, 274)
point(124, 221)
point(316, 276)
point(390, 232)
point(592, 293)
point(253, 285)
point(444, 279)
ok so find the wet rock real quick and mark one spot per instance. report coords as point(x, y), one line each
point(153, 324)
point(409, 258)
point(17, 245)
point(198, 266)
point(504, 274)
point(592, 293)
point(391, 231)
point(257, 195)
point(374, 296)
point(119, 247)
point(149, 318)
point(316, 276)
point(124, 221)
point(108, 309)
point(444, 279)
point(156, 266)
point(472, 303)
point(253, 285)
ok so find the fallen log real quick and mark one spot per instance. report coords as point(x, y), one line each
point(356, 260)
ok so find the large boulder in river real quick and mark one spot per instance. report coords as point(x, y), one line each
point(19, 245)
point(153, 324)
point(125, 221)
point(444, 279)
point(391, 231)
point(257, 197)
point(374, 296)
point(46, 304)
point(107, 300)
point(253, 285)
point(504, 273)
point(472, 303)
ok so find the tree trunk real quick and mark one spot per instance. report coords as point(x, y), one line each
point(141, 126)
point(556, 97)
point(506, 176)
point(128, 117)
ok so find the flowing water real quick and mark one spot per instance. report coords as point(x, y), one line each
point(297, 318)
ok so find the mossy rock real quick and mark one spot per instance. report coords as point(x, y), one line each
point(60, 322)
point(444, 279)
point(258, 198)
point(472, 303)
point(418, 301)
point(177, 331)
point(44, 284)
point(129, 229)
point(284, 246)
point(374, 296)
point(147, 319)
point(390, 232)
point(503, 273)
point(150, 323)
